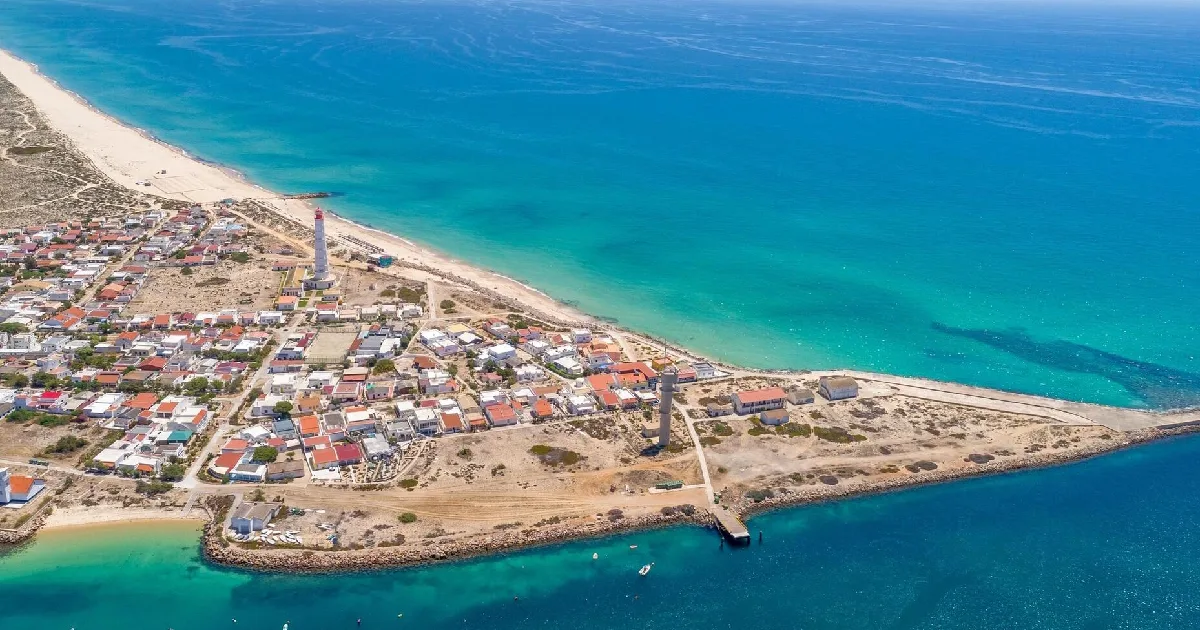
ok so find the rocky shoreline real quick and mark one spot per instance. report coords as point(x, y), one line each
point(220, 551)
point(746, 507)
point(27, 530)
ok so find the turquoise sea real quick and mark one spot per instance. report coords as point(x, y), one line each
point(1104, 544)
point(999, 193)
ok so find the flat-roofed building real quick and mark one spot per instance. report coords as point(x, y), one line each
point(838, 387)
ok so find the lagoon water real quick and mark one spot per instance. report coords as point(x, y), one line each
point(995, 193)
point(1107, 543)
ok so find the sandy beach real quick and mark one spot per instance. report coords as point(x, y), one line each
point(130, 156)
point(84, 516)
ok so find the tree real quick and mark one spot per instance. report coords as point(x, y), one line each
point(196, 386)
point(265, 454)
point(240, 257)
point(384, 366)
point(283, 408)
point(187, 271)
point(408, 517)
point(42, 379)
point(13, 328)
point(173, 472)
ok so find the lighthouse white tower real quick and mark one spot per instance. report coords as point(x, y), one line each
point(321, 264)
point(321, 278)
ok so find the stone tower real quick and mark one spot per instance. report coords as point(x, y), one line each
point(666, 384)
point(321, 262)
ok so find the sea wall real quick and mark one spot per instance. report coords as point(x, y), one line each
point(221, 551)
point(30, 527)
point(746, 507)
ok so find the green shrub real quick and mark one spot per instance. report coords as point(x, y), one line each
point(408, 517)
point(555, 456)
point(759, 495)
point(837, 434)
point(67, 444)
point(173, 472)
point(152, 488)
point(792, 429)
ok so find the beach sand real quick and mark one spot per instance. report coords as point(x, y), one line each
point(85, 516)
point(130, 156)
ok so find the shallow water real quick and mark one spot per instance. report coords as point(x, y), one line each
point(1000, 195)
point(1106, 543)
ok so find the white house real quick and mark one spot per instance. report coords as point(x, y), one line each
point(502, 353)
point(581, 405)
point(18, 488)
point(569, 365)
point(427, 420)
point(838, 387)
point(253, 517)
point(529, 372)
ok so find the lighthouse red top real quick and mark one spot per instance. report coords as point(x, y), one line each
point(320, 215)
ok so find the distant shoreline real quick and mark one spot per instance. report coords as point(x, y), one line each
point(125, 153)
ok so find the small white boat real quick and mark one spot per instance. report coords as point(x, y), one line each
point(645, 569)
point(633, 546)
point(595, 556)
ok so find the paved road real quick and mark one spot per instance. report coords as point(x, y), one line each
point(691, 427)
point(190, 480)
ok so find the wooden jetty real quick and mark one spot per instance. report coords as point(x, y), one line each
point(730, 526)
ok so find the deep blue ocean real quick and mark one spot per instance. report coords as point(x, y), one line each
point(1002, 194)
point(1105, 544)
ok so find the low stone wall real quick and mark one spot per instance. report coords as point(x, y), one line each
point(29, 528)
point(221, 551)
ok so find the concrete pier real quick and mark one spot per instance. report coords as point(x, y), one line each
point(731, 526)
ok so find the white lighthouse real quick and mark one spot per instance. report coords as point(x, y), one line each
point(321, 266)
point(321, 278)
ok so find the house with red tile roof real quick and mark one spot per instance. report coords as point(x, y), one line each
point(451, 423)
point(542, 410)
point(348, 454)
point(308, 425)
point(759, 400)
point(323, 458)
point(18, 488)
point(500, 415)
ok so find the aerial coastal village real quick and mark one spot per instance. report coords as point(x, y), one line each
point(322, 397)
